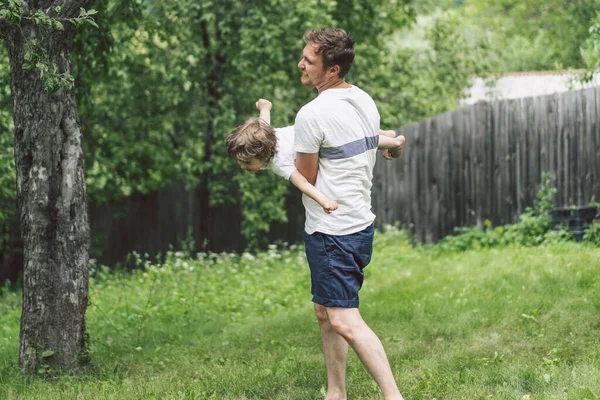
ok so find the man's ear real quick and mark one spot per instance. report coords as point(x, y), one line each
point(334, 70)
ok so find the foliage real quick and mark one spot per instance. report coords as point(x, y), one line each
point(502, 322)
point(162, 96)
point(161, 83)
point(533, 34)
point(47, 22)
point(7, 162)
point(8, 195)
point(533, 228)
point(592, 234)
point(536, 221)
point(426, 70)
point(392, 236)
point(530, 35)
point(157, 99)
point(253, 191)
point(590, 52)
point(426, 7)
point(11, 10)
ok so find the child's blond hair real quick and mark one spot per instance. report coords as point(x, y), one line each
point(254, 138)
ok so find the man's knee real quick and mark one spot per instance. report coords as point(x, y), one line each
point(345, 322)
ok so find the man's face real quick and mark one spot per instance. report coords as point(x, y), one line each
point(311, 65)
point(250, 164)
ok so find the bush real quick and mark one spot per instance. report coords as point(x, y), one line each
point(592, 235)
point(536, 222)
point(533, 228)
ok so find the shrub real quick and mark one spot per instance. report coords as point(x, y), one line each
point(592, 235)
point(533, 228)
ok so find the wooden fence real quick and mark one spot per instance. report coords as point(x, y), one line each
point(485, 161)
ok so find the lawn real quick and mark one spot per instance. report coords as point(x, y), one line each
point(506, 323)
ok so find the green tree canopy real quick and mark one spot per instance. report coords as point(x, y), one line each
point(161, 83)
point(532, 34)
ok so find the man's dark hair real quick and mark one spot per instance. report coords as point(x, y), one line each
point(335, 45)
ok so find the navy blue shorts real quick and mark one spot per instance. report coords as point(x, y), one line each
point(336, 266)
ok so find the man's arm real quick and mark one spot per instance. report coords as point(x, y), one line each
point(308, 165)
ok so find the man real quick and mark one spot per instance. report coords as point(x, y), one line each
point(336, 136)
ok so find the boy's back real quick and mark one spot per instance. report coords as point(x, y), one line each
point(283, 162)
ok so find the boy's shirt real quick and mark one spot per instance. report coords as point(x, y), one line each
point(283, 162)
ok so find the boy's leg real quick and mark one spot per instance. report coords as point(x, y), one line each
point(335, 352)
point(348, 323)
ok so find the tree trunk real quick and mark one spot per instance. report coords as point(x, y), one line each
point(52, 206)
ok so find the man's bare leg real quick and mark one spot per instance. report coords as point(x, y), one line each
point(348, 323)
point(335, 352)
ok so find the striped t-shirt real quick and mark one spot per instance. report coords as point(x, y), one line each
point(342, 125)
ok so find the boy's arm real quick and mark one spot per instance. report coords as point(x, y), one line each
point(264, 107)
point(301, 183)
point(308, 166)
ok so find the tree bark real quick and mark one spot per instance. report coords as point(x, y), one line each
point(52, 202)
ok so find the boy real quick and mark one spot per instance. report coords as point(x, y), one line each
point(256, 145)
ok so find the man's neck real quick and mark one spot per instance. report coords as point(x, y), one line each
point(339, 83)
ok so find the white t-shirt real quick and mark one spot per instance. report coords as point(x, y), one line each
point(342, 125)
point(283, 162)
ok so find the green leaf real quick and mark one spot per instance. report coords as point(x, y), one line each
point(92, 22)
point(57, 25)
point(47, 353)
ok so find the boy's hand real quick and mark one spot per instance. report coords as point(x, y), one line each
point(386, 152)
point(263, 104)
point(329, 206)
point(397, 151)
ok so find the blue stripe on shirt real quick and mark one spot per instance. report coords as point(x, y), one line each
point(349, 149)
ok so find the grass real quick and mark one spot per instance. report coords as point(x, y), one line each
point(509, 323)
